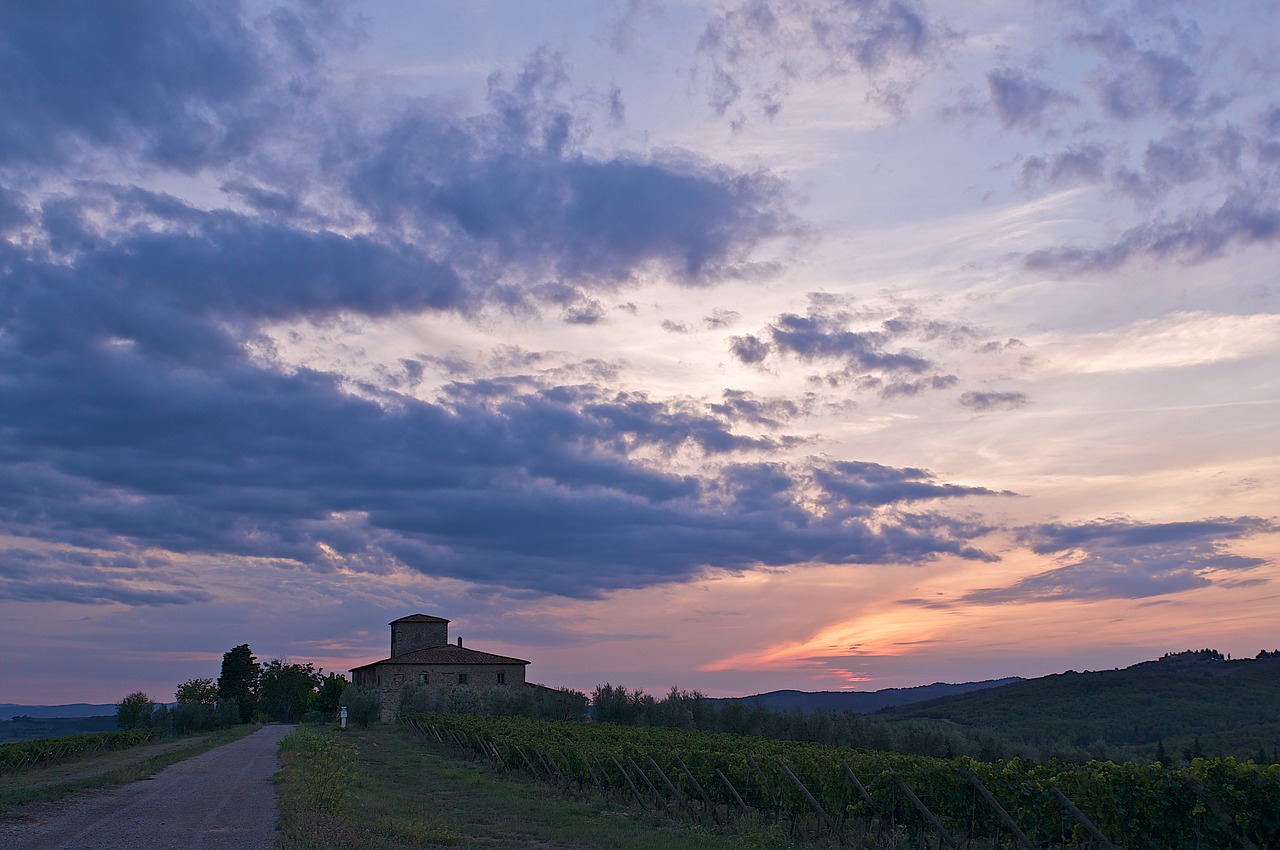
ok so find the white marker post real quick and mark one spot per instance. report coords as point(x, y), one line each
point(343, 715)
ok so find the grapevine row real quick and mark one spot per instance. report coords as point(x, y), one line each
point(1212, 803)
point(44, 751)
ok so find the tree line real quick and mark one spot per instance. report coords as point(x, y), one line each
point(247, 691)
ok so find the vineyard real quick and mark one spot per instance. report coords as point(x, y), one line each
point(867, 799)
point(46, 751)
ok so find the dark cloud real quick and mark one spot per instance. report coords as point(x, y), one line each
point(817, 336)
point(589, 312)
point(899, 387)
point(144, 409)
point(1021, 101)
point(86, 577)
point(864, 484)
point(743, 406)
point(869, 350)
point(1076, 165)
point(749, 348)
point(1192, 149)
point(982, 401)
point(182, 84)
point(721, 318)
point(1245, 217)
point(758, 47)
point(1122, 559)
point(512, 188)
point(1155, 75)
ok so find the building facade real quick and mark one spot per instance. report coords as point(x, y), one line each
point(421, 654)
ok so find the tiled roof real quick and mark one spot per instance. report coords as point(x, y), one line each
point(447, 654)
point(418, 618)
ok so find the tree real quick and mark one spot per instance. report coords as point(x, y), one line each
point(239, 680)
point(198, 691)
point(328, 697)
point(285, 688)
point(197, 706)
point(364, 705)
point(134, 711)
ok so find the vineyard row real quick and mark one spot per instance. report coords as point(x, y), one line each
point(45, 751)
point(850, 796)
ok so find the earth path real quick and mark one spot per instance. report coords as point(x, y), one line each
point(220, 799)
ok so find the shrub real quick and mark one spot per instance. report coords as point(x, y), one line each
point(135, 711)
point(364, 705)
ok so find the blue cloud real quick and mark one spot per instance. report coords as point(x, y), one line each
point(757, 48)
point(1123, 559)
point(182, 84)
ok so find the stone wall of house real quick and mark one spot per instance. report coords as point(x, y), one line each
point(390, 678)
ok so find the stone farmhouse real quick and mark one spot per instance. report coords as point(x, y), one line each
point(421, 654)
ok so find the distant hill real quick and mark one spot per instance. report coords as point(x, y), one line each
point(27, 728)
point(1229, 707)
point(8, 710)
point(864, 702)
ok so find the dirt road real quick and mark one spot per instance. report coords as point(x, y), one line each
point(221, 799)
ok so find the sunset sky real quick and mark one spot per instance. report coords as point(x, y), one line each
point(738, 346)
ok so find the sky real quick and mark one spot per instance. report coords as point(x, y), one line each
point(737, 346)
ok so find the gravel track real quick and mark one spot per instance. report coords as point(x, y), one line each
point(221, 799)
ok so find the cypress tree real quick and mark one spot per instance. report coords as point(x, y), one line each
point(239, 680)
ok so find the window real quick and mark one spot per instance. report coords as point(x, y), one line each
point(397, 679)
point(462, 678)
point(422, 679)
point(502, 678)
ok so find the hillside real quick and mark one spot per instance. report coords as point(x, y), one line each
point(861, 702)
point(1229, 707)
point(30, 728)
point(9, 710)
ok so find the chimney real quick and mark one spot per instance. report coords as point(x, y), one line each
point(459, 641)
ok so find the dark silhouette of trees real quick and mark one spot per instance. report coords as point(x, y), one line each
point(239, 680)
point(135, 711)
point(328, 696)
point(284, 689)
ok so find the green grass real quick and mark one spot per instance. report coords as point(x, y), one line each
point(401, 793)
point(106, 769)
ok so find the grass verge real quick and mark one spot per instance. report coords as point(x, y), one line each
point(108, 769)
point(383, 789)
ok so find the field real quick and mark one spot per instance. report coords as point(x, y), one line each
point(33, 728)
point(382, 789)
point(876, 799)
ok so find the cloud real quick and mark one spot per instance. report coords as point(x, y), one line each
point(749, 348)
point(1123, 559)
point(1139, 79)
point(818, 336)
point(145, 408)
point(760, 47)
point(743, 406)
point(508, 192)
point(983, 401)
point(1246, 217)
point(867, 346)
point(516, 483)
point(1151, 107)
point(87, 577)
point(721, 318)
point(1077, 165)
point(182, 84)
point(862, 483)
point(1021, 101)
